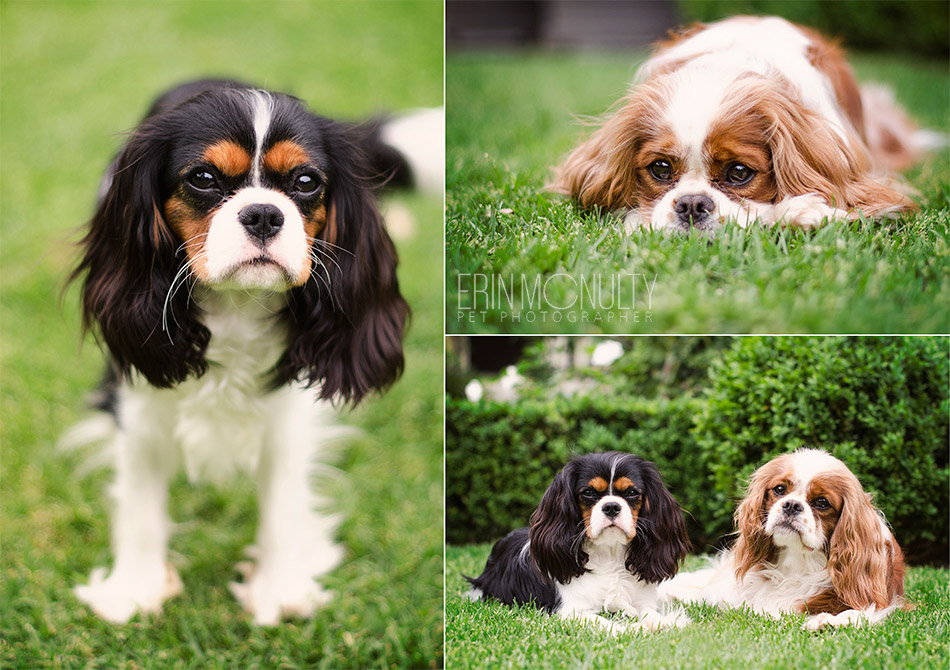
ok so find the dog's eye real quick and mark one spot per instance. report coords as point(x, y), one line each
point(661, 170)
point(306, 184)
point(202, 180)
point(821, 503)
point(631, 494)
point(779, 490)
point(738, 174)
point(588, 492)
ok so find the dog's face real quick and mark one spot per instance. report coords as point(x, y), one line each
point(224, 186)
point(246, 182)
point(609, 497)
point(804, 511)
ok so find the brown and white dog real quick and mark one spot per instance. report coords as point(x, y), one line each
point(749, 119)
point(809, 541)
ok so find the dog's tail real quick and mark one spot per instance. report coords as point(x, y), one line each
point(406, 150)
point(895, 141)
point(95, 436)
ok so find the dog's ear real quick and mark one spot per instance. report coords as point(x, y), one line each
point(660, 543)
point(349, 318)
point(556, 530)
point(129, 267)
point(754, 546)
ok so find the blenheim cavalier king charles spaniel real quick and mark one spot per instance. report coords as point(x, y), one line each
point(749, 119)
point(809, 541)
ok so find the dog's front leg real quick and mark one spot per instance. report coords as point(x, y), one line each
point(141, 579)
point(294, 544)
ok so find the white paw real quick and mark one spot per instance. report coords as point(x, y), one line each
point(818, 621)
point(807, 211)
point(275, 592)
point(652, 621)
point(846, 618)
point(118, 597)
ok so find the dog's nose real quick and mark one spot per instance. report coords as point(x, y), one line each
point(693, 208)
point(611, 509)
point(792, 507)
point(261, 220)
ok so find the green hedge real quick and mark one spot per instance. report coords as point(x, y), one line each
point(500, 458)
point(879, 404)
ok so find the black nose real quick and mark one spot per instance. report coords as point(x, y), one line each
point(792, 507)
point(611, 509)
point(261, 220)
point(694, 208)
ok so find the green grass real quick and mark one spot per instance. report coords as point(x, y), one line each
point(491, 635)
point(514, 117)
point(75, 76)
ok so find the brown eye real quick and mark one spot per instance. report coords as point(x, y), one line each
point(660, 170)
point(306, 184)
point(821, 503)
point(779, 490)
point(738, 174)
point(202, 180)
point(588, 492)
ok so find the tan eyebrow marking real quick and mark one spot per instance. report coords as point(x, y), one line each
point(229, 157)
point(623, 483)
point(284, 156)
point(598, 483)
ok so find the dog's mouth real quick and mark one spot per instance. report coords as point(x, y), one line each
point(261, 271)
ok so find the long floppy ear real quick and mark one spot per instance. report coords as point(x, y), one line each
point(349, 318)
point(660, 543)
point(128, 268)
point(753, 546)
point(809, 156)
point(863, 556)
point(557, 530)
point(601, 172)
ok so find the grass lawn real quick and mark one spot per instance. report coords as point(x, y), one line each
point(483, 635)
point(74, 77)
point(521, 260)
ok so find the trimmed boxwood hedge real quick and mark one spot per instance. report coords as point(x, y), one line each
point(879, 404)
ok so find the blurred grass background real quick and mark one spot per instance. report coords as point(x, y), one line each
point(74, 78)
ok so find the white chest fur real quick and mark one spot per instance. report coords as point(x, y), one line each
point(220, 422)
point(608, 585)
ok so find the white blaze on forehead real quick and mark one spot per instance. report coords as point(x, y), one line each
point(768, 47)
point(262, 107)
point(698, 93)
point(809, 463)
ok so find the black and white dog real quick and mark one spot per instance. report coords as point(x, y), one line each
point(606, 533)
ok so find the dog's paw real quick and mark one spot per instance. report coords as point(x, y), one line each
point(270, 595)
point(807, 211)
point(118, 597)
point(826, 620)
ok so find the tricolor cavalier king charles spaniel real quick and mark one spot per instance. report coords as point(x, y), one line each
point(238, 272)
point(605, 534)
point(746, 119)
point(809, 541)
